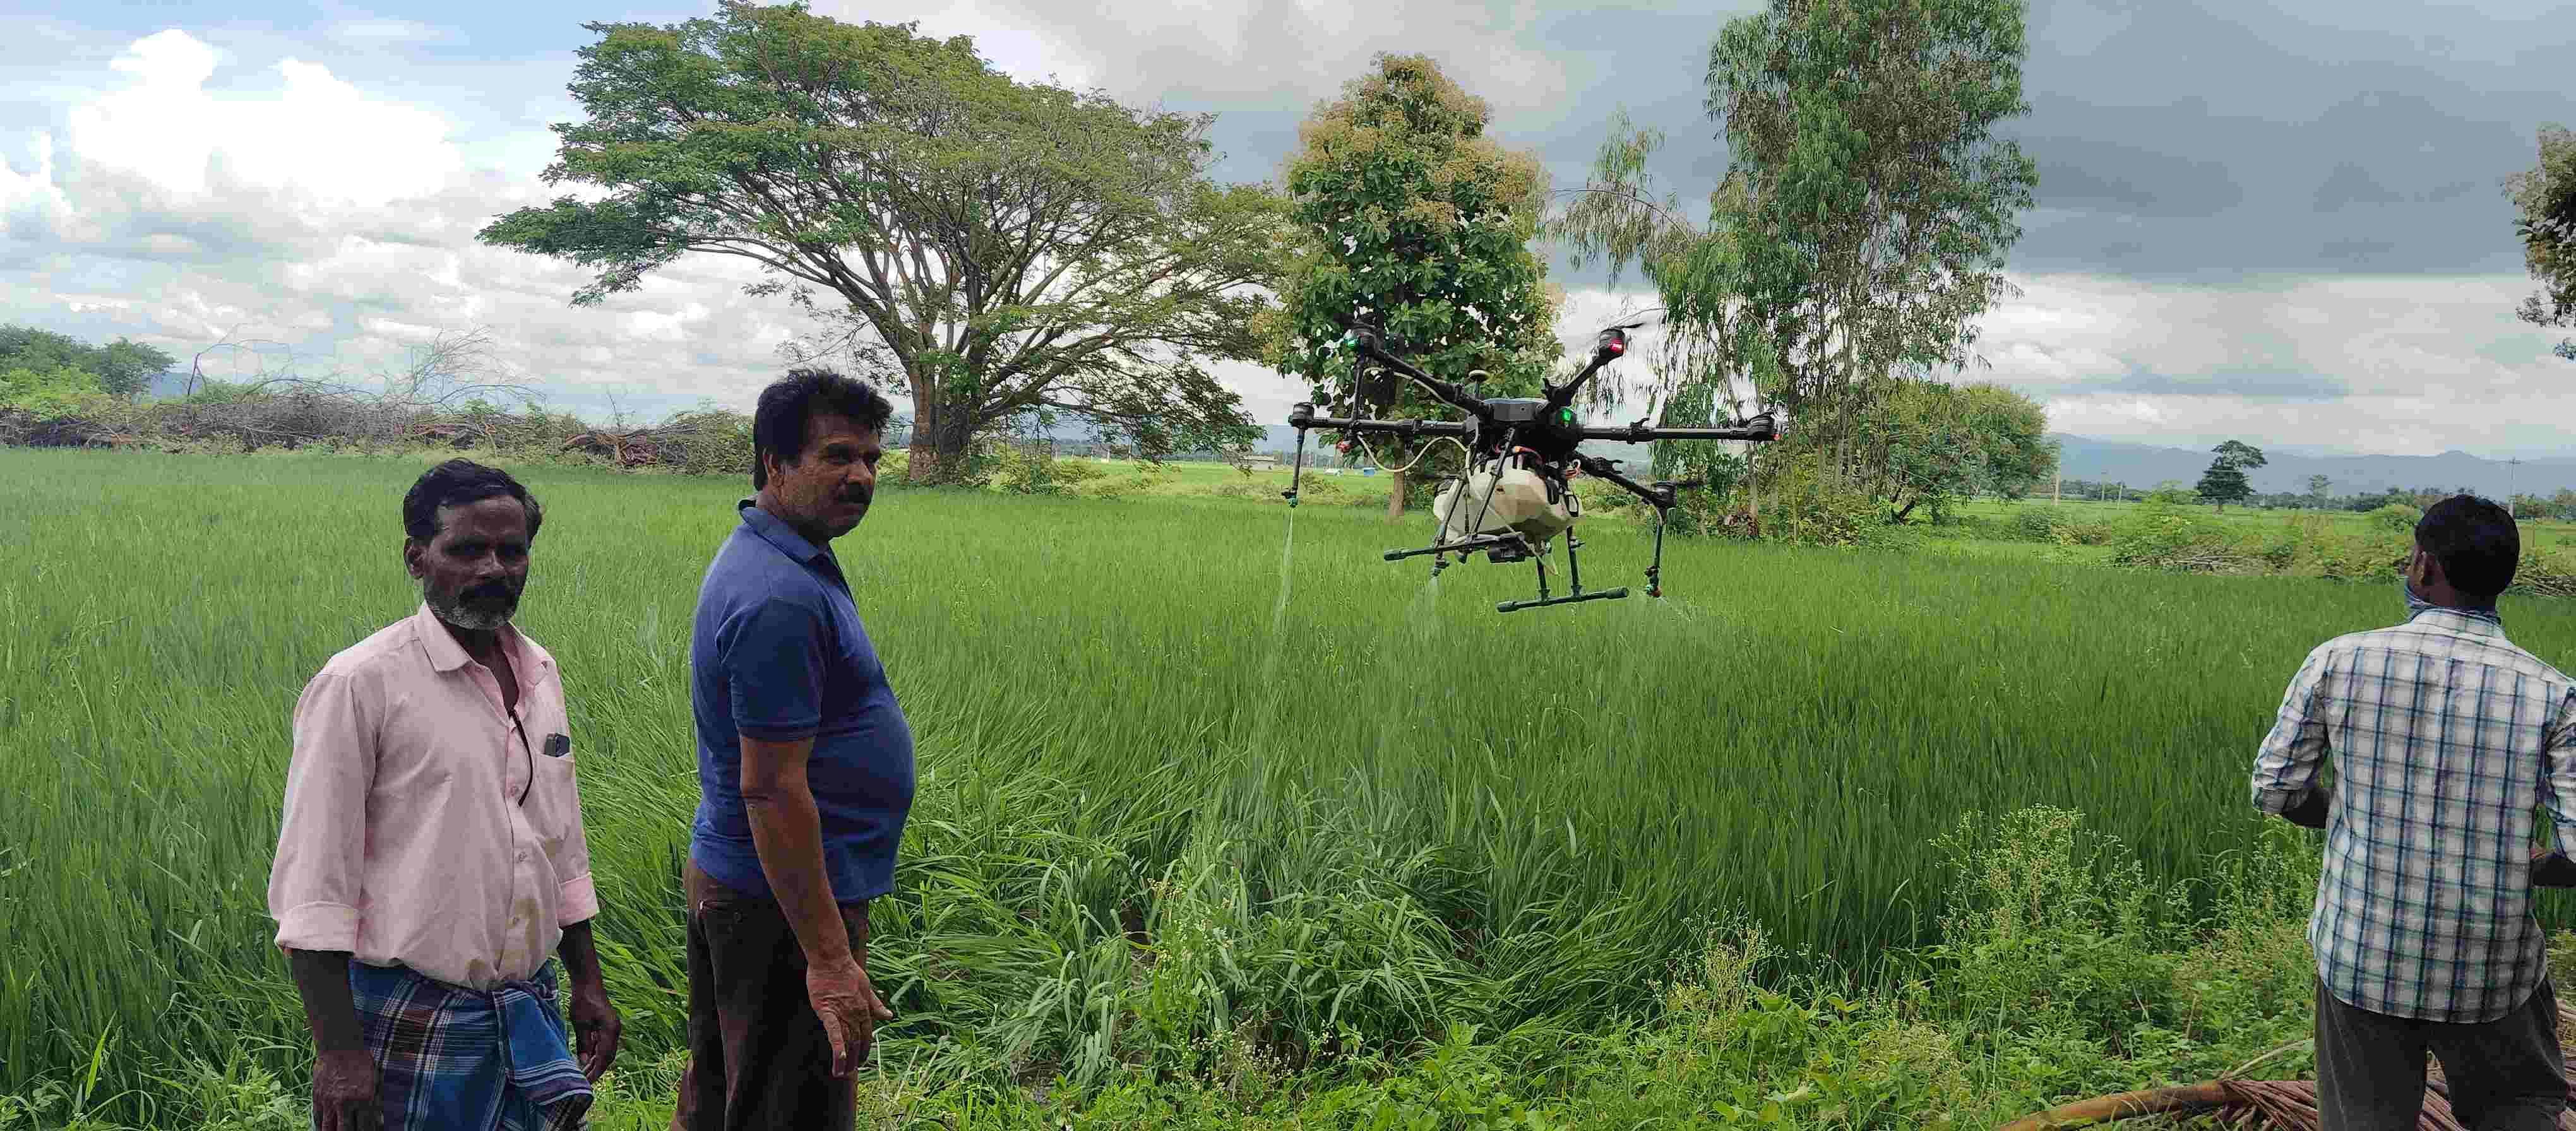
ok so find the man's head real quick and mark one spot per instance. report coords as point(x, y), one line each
point(467, 529)
point(2466, 551)
point(816, 438)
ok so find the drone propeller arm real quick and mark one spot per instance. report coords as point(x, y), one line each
point(1759, 428)
point(1559, 396)
point(1608, 472)
point(1367, 346)
point(1303, 417)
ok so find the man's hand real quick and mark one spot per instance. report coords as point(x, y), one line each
point(595, 1028)
point(344, 1092)
point(2310, 812)
point(2551, 868)
point(849, 1008)
point(595, 1024)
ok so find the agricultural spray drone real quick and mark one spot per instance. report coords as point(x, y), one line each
point(1516, 496)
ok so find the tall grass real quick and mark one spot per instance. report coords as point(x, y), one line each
point(1162, 819)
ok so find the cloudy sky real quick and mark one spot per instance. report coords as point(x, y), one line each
point(2278, 220)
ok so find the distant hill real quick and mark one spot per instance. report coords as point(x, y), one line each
point(2144, 466)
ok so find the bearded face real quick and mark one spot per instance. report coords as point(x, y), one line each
point(473, 570)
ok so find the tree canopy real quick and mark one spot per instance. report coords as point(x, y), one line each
point(122, 368)
point(1867, 207)
point(2238, 454)
point(2225, 480)
point(1414, 223)
point(2544, 200)
point(1927, 444)
point(1004, 248)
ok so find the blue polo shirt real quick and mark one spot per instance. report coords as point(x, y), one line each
point(778, 654)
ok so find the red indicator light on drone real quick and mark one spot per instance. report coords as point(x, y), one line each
point(1614, 342)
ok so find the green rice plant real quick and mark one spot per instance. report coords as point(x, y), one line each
point(1188, 804)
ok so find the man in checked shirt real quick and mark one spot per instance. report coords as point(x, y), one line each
point(2446, 739)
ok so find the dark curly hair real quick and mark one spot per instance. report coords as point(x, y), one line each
point(2476, 541)
point(456, 483)
point(790, 404)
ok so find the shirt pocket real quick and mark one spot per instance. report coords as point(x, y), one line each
point(554, 799)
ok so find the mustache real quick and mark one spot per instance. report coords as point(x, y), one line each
point(495, 591)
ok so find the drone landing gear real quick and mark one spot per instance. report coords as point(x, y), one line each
point(1574, 575)
point(1504, 548)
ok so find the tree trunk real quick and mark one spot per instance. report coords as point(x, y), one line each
point(1752, 485)
point(941, 436)
point(1395, 496)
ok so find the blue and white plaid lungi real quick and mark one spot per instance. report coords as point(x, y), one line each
point(458, 1059)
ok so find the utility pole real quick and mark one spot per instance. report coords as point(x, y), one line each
point(2057, 492)
point(2512, 480)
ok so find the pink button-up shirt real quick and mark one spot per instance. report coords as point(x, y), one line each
point(423, 824)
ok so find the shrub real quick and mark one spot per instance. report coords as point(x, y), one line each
point(2543, 572)
point(1801, 506)
point(2082, 532)
point(2035, 524)
point(2395, 516)
point(2046, 922)
point(2165, 535)
point(1029, 469)
point(52, 396)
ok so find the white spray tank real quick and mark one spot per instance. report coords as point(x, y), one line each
point(1517, 499)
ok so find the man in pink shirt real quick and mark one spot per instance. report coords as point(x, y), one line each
point(431, 858)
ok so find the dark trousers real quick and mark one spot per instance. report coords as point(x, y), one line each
point(2502, 1074)
point(758, 1058)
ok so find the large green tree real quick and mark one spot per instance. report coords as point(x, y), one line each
point(123, 368)
point(1927, 444)
point(1008, 249)
point(2238, 454)
point(1414, 224)
point(2225, 480)
point(2224, 483)
point(1867, 208)
point(2544, 201)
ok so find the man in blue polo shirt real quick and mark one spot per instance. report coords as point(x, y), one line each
point(805, 775)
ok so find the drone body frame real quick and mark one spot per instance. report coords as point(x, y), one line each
point(1516, 436)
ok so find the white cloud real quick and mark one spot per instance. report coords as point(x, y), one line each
point(316, 138)
point(32, 198)
point(1251, 56)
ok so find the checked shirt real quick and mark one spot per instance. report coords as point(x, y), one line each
point(2446, 739)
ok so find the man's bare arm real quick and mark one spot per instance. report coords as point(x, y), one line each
point(344, 1072)
point(322, 980)
point(787, 831)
